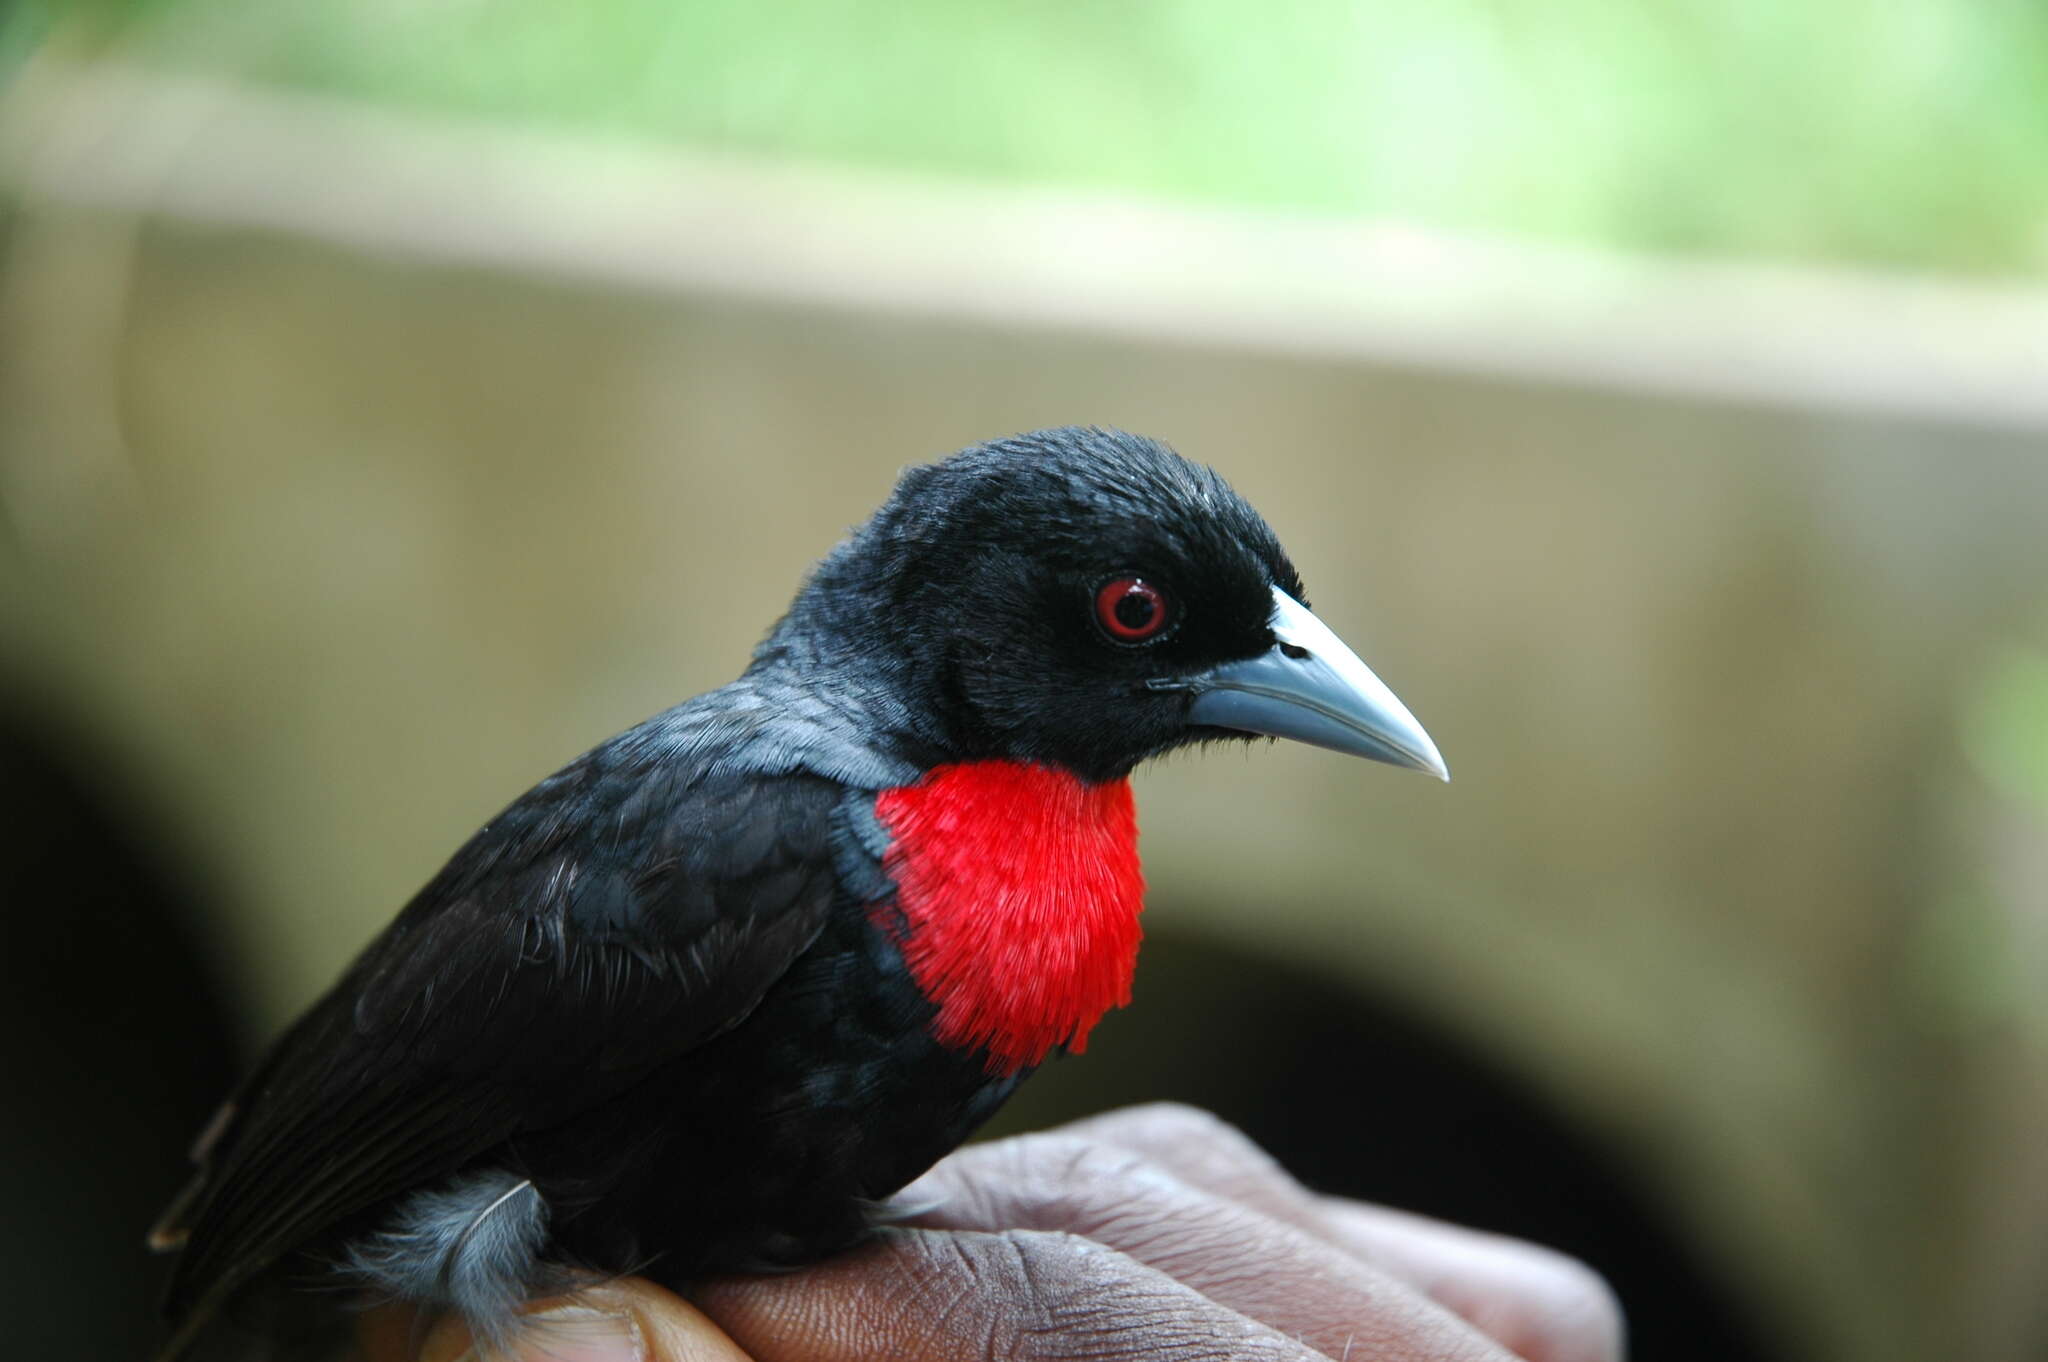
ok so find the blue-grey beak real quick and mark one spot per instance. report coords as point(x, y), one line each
point(1311, 688)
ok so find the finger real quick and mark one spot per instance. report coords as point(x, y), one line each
point(1017, 1296)
point(1285, 1278)
point(1546, 1306)
point(1203, 1150)
point(631, 1320)
point(387, 1333)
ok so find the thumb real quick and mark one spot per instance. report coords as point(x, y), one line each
point(631, 1320)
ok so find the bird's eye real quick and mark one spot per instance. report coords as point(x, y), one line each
point(1131, 609)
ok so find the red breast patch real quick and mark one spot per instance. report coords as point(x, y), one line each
point(1019, 890)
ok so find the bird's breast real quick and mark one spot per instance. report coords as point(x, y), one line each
point(1017, 897)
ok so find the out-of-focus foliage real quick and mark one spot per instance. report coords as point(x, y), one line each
point(2005, 725)
point(1904, 132)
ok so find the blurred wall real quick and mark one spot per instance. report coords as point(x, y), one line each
point(341, 547)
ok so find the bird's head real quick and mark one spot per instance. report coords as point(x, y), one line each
point(1087, 598)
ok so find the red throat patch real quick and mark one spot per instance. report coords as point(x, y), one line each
point(1019, 890)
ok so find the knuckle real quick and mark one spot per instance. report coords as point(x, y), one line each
point(964, 1288)
point(1064, 1279)
point(1089, 1301)
point(1051, 1181)
point(1203, 1148)
point(1057, 1169)
point(1038, 1246)
point(1192, 1133)
point(1576, 1317)
point(1586, 1298)
point(1178, 1121)
point(1069, 1276)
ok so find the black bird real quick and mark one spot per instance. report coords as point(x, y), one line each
point(704, 998)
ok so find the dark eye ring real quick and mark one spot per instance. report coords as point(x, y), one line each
point(1131, 609)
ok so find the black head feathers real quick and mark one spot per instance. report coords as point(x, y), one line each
point(973, 598)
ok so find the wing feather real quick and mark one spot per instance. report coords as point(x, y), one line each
point(620, 913)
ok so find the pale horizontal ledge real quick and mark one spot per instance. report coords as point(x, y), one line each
point(656, 219)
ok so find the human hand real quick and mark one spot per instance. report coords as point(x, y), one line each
point(1157, 1232)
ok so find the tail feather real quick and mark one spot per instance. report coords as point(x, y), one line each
point(174, 1226)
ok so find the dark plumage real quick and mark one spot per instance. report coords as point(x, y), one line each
point(657, 1015)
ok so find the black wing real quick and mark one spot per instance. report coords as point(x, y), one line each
point(626, 909)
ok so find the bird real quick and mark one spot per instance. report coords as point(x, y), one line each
point(704, 999)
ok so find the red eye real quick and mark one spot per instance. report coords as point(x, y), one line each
point(1130, 609)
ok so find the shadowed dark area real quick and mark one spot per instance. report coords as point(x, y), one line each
point(116, 1045)
point(1312, 1070)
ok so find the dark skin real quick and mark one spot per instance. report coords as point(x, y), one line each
point(1156, 1232)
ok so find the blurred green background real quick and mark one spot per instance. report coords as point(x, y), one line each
point(398, 397)
point(1902, 132)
